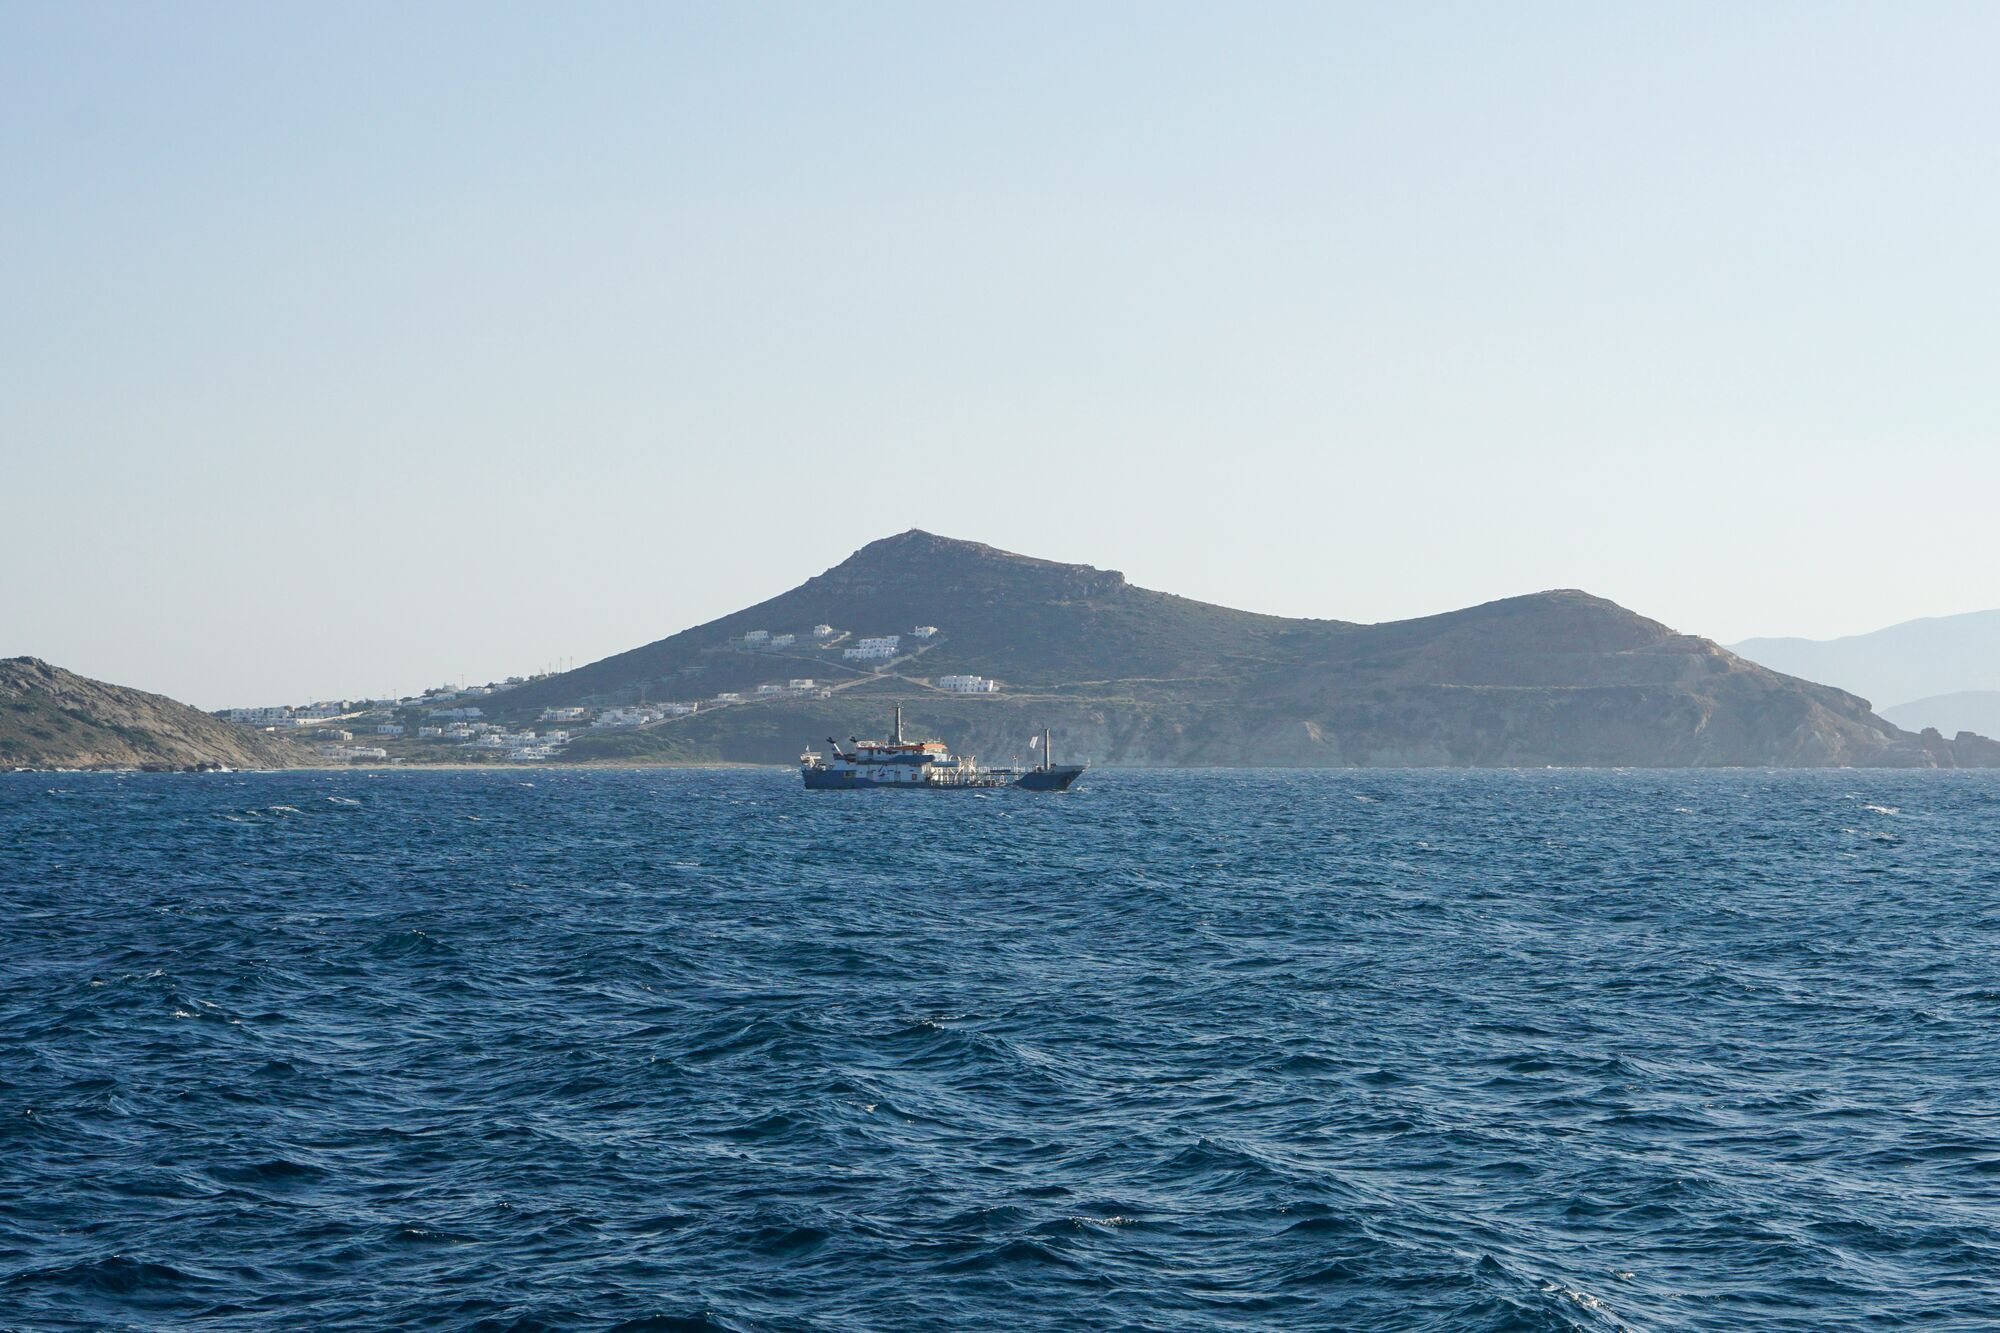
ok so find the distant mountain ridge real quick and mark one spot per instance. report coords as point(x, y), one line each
point(1129, 675)
point(52, 718)
point(1949, 664)
point(1968, 710)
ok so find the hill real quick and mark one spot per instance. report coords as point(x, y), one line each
point(51, 718)
point(1129, 675)
point(1916, 660)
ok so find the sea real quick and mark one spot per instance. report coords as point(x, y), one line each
point(660, 1050)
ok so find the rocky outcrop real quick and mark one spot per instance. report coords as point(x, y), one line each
point(51, 718)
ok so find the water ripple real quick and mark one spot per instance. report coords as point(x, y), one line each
point(657, 1051)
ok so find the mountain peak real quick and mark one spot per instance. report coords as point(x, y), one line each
point(917, 554)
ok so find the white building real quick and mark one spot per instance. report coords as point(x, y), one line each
point(968, 685)
point(729, 697)
point(766, 691)
point(616, 718)
point(429, 733)
point(783, 640)
point(458, 712)
point(260, 717)
point(822, 631)
point(873, 650)
point(678, 710)
point(565, 714)
point(923, 631)
point(388, 728)
point(799, 685)
point(757, 637)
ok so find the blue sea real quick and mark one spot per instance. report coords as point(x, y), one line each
point(1176, 1050)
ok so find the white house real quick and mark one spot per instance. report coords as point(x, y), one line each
point(822, 631)
point(678, 710)
point(923, 631)
point(429, 733)
point(766, 691)
point(968, 685)
point(757, 637)
point(873, 650)
point(783, 640)
point(801, 685)
point(626, 717)
point(565, 714)
point(458, 712)
point(729, 697)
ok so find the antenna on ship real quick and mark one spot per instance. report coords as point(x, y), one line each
point(1048, 748)
point(899, 724)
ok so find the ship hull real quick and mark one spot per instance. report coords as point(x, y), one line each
point(1036, 779)
point(1049, 779)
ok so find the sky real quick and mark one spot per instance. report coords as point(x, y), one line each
point(346, 350)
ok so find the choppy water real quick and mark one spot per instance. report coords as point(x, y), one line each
point(1178, 1050)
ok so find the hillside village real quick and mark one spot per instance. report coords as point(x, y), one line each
point(461, 724)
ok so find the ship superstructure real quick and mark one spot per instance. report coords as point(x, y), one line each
point(926, 765)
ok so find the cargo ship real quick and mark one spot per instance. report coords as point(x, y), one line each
point(925, 766)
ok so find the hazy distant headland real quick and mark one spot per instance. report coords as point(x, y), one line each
point(1941, 672)
point(984, 648)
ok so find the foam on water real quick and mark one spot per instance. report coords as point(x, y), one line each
point(1356, 1050)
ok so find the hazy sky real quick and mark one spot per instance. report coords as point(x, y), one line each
point(347, 349)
